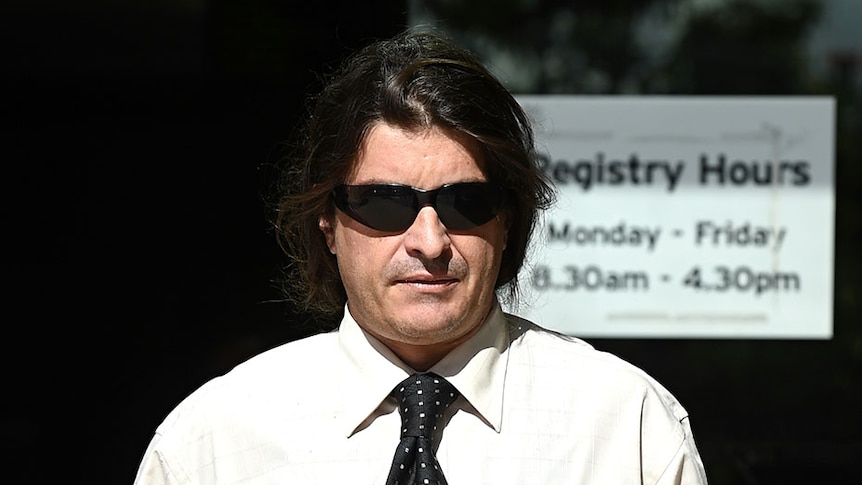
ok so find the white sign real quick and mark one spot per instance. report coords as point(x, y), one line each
point(684, 217)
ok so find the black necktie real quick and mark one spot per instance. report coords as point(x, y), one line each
point(423, 399)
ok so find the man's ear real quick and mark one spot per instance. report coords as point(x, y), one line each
point(328, 232)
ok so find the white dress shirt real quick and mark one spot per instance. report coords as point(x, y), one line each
point(537, 407)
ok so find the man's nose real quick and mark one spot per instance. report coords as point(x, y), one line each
point(427, 237)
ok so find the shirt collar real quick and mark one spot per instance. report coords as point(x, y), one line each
point(371, 372)
point(477, 368)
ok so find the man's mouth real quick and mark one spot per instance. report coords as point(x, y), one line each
point(428, 282)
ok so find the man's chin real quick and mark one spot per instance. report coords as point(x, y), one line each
point(429, 326)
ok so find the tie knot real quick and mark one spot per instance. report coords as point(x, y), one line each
point(423, 399)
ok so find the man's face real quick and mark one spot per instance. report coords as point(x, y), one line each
point(424, 290)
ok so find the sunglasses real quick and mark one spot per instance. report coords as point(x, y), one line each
point(393, 208)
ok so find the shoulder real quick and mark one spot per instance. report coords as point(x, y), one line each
point(574, 368)
point(307, 355)
point(276, 377)
point(601, 395)
point(548, 347)
point(258, 402)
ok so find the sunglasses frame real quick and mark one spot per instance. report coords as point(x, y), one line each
point(345, 196)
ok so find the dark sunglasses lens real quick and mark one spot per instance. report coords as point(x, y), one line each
point(465, 206)
point(393, 208)
point(388, 208)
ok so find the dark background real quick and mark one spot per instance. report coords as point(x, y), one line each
point(138, 262)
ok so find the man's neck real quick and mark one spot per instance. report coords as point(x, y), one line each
point(422, 357)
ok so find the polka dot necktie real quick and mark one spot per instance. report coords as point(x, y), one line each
point(423, 399)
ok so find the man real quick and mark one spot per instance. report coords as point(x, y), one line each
point(410, 210)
